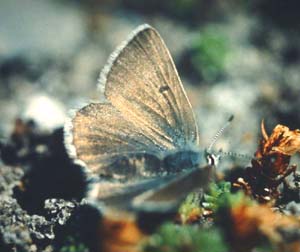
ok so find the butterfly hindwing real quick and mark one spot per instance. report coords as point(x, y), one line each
point(169, 195)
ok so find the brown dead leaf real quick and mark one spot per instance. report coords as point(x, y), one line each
point(254, 222)
point(271, 164)
point(119, 234)
point(282, 140)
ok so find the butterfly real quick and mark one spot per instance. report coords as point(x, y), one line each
point(143, 141)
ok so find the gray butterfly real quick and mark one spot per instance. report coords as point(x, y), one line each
point(143, 141)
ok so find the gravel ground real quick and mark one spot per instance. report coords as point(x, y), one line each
point(51, 53)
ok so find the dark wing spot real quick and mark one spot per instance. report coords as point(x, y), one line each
point(164, 88)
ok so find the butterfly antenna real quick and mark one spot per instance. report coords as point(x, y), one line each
point(235, 155)
point(219, 133)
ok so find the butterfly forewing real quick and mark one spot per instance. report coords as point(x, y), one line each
point(141, 81)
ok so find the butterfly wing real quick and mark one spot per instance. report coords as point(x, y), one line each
point(161, 194)
point(119, 195)
point(141, 81)
point(148, 111)
point(168, 196)
point(101, 135)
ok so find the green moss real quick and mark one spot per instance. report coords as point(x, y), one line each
point(217, 195)
point(190, 205)
point(72, 245)
point(209, 52)
point(174, 238)
point(220, 196)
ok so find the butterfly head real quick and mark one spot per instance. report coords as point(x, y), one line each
point(212, 158)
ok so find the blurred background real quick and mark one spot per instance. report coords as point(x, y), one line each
point(234, 57)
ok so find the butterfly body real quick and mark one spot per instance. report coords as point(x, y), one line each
point(145, 135)
point(144, 165)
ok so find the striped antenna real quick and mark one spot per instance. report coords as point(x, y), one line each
point(235, 155)
point(214, 140)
